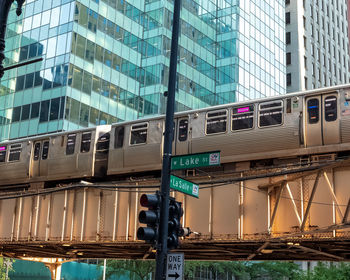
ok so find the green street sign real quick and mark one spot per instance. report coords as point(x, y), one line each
point(183, 186)
point(195, 160)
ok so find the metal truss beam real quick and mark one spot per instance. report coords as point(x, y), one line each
point(331, 188)
point(302, 227)
point(276, 204)
point(262, 247)
point(306, 249)
point(346, 214)
point(294, 204)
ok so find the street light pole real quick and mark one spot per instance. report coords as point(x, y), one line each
point(162, 249)
point(5, 6)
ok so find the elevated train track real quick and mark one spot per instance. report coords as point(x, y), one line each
point(290, 211)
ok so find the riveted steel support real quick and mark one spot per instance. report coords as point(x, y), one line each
point(302, 227)
point(162, 246)
point(278, 199)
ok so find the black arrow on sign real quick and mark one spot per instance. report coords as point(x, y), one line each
point(175, 275)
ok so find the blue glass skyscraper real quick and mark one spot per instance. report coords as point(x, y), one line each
point(107, 61)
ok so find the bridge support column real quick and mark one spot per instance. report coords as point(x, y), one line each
point(55, 269)
point(53, 264)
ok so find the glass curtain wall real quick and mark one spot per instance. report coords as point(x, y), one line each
point(106, 61)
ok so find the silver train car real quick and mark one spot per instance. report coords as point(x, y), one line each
point(305, 123)
point(294, 125)
point(55, 157)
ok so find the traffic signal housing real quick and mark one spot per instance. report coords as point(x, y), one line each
point(174, 224)
point(150, 217)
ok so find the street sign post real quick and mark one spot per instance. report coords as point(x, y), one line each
point(184, 186)
point(175, 266)
point(195, 160)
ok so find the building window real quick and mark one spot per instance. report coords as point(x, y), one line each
point(288, 58)
point(287, 2)
point(288, 38)
point(305, 81)
point(289, 79)
point(305, 43)
point(287, 17)
point(305, 62)
point(319, 75)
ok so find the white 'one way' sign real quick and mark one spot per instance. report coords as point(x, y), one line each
point(175, 266)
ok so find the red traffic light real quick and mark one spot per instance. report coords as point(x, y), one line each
point(150, 217)
point(150, 200)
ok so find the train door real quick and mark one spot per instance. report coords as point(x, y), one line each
point(181, 137)
point(118, 151)
point(39, 161)
point(322, 122)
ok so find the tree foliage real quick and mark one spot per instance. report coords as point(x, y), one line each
point(222, 270)
point(241, 270)
point(5, 265)
point(140, 268)
point(274, 270)
point(323, 271)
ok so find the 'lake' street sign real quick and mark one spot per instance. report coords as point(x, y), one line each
point(183, 186)
point(195, 160)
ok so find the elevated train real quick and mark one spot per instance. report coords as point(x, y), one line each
point(294, 125)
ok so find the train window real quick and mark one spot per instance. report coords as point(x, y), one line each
point(138, 134)
point(3, 153)
point(270, 113)
point(45, 150)
point(103, 142)
point(15, 152)
point(313, 108)
point(269, 105)
point(70, 144)
point(36, 151)
point(216, 122)
point(243, 117)
point(183, 130)
point(330, 108)
point(119, 137)
point(85, 142)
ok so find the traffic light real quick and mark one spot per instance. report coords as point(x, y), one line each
point(174, 224)
point(151, 217)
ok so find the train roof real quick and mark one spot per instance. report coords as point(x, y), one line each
point(50, 135)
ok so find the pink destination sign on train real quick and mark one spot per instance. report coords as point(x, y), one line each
point(243, 110)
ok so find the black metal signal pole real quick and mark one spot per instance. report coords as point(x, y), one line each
point(162, 249)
